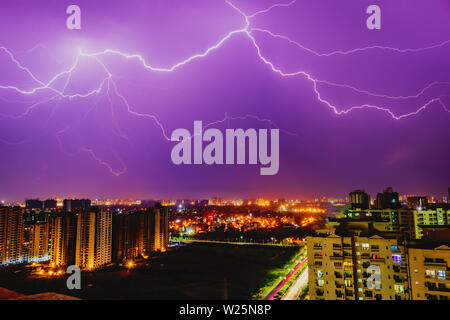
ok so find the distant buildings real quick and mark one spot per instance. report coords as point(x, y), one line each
point(70, 205)
point(359, 199)
point(388, 200)
point(34, 204)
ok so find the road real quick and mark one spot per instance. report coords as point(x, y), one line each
point(281, 284)
point(237, 243)
point(296, 289)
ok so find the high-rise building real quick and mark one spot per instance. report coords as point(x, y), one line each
point(159, 228)
point(34, 204)
point(359, 199)
point(70, 205)
point(153, 230)
point(388, 199)
point(340, 266)
point(126, 231)
point(429, 271)
point(50, 204)
point(36, 242)
point(11, 235)
point(63, 239)
point(94, 239)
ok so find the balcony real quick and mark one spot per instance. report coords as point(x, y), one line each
point(336, 257)
point(440, 287)
point(435, 264)
point(319, 292)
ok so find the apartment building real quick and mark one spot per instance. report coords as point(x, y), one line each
point(11, 235)
point(429, 266)
point(341, 266)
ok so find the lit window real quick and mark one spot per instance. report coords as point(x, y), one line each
point(430, 273)
point(397, 258)
point(441, 274)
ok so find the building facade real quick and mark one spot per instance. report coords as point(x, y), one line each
point(94, 239)
point(430, 272)
point(11, 235)
point(340, 268)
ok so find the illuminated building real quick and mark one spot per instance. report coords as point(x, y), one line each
point(436, 215)
point(430, 271)
point(405, 220)
point(36, 242)
point(359, 199)
point(159, 228)
point(94, 239)
point(63, 239)
point(11, 235)
point(339, 267)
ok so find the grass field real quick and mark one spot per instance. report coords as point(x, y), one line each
point(196, 271)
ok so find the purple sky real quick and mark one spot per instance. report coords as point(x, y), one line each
point(95, 147)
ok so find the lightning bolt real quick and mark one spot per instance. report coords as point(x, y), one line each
point(109, 86)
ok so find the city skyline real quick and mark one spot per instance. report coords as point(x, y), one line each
point(356, 108)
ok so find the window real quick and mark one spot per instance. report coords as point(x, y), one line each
point(320, 283)
point(394, 248)
point(399, 288)
point(441, 274)
point(365, 246)
point(397, 258)
point(430, 273)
